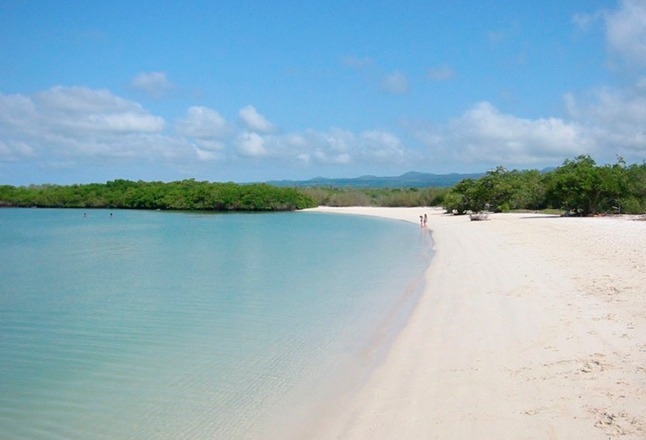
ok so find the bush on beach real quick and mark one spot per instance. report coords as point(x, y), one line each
point(579, 187)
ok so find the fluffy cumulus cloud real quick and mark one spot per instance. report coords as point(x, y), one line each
point(251, 145)
point(202, 123)
point(605, 123)
point(254, 121)
point(73, 122)
point(483, 134)
point(153, 84)
point(74, 127)
point(335, 146)
point(206, 129)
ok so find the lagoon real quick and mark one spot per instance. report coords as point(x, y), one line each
point(148, 324)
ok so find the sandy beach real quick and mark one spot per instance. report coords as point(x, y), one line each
point(530, 327)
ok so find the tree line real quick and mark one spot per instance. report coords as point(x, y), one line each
point(578, 187)
point(180, 195)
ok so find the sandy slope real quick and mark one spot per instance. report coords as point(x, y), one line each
point(530, 327)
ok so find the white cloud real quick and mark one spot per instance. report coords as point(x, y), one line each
point(605, 123)
point(381, 145)
point(61, 109)
point(153, 84)
point(254, 121)
point(207, 155)
point(483, 134)
point(616, 119)
point(82, 127)
point(202, 123)
point(210, 145)
point(13, 151)
point(334, 146)
point(609, 107)
point(396, 83)
point(626, 31)
point(77, 122)
point(75, 100)
point(128, 122)
point(251, 145)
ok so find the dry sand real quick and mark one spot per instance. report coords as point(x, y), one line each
point(530, 327)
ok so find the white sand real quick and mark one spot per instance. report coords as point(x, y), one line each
point(530, 327)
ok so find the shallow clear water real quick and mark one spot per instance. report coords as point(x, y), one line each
point(145, 324)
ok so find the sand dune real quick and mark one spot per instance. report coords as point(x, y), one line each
point(530, 327)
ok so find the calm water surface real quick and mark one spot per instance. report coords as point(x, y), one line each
point(146, 324)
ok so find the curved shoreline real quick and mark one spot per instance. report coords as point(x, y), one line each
point(530, 326)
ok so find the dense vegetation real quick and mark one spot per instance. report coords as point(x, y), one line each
point(579, 186)
point(181, 195)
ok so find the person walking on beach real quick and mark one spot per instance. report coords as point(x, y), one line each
point(425, 220)
point(421, 221)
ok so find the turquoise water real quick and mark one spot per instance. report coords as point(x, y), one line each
point(142, 324)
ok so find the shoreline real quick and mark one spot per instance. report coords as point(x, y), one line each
point(529, 326)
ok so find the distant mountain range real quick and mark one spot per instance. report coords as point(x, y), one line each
point(408, 180)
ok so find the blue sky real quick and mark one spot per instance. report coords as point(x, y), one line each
point(220, 90)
